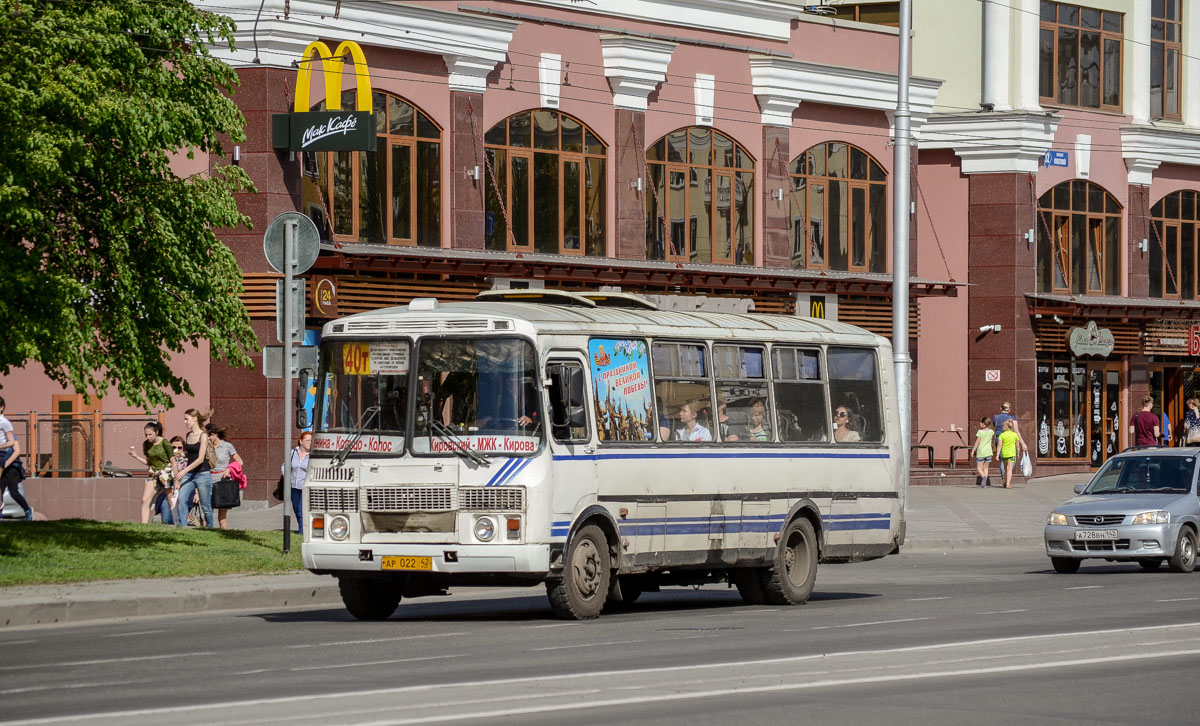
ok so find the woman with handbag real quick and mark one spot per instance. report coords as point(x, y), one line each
point(195, 477)
point(155, 456)
point(1191, 423)
point(226, 494)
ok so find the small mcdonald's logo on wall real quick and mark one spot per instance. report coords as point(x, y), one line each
point(817, 305)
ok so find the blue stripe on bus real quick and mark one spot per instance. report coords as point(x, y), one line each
point(724, 455)
point(499, 473)
point(733, 524)
point(508, 471)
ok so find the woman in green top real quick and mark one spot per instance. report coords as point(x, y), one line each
point(156, 456)
point(981, 452)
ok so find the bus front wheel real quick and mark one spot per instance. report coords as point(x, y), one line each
point(791, 580)
point(583, 589)
point(368, 599)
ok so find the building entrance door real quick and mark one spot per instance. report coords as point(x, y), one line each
point(1104, 412)
point(1172, 387)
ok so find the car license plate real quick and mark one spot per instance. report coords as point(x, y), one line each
point(1096, 534)
point(407, 563)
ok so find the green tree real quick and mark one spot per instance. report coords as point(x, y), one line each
point(109, 261)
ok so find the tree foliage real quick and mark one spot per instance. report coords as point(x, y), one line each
point(109, 260)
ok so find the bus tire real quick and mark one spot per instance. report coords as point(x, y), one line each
point(791, 580)
point(368, 599)
point(750, 584)
point(629, 591)
point(583, 589)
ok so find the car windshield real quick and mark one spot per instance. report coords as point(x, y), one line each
point(1144, 475)
point(479, 395)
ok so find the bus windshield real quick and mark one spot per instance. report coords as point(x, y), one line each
point(477, 394)
point(356, 375)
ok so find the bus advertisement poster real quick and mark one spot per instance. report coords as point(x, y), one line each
point(621, 379)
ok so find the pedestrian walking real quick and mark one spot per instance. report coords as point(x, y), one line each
point(196, 477)
point(1009, 442)
point(299, 474)
point(222, 483)
point(155, 456)
point(998, 422)
point(10, 458)
point(981, 452)
point(1143, 427)
point(1191, 423)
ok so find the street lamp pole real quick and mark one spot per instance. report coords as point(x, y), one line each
point(902, 204)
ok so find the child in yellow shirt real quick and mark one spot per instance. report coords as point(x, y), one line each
point(1009, 442)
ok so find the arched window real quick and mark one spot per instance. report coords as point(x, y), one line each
point(550, 170)
point(702, 186)
point(1173, 253)
point(1079, 240)
point(388, 196)
point(838, 209)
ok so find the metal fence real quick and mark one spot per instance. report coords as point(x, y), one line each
point(81, 444)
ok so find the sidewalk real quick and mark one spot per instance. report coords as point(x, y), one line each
point(939, 518)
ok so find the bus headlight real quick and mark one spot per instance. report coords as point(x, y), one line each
point(339, 528)
point(485, 529)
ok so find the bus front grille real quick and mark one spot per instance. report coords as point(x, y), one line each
point(344, 474)
point(332, 499)
point(491, 499)
point(409, 499)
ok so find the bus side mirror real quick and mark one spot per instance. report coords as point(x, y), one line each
point(303, 382)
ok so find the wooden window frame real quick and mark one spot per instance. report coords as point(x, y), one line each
point(1105, 35)
point(1065, 249)
point(1160, 223)
point(1167, 46)
point(562, 157)
point(824, 180)
point(685, 243)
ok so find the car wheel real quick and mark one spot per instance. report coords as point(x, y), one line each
point(1065, 565)
point(583, 589)
point(1151, 564)
point(1184, 559)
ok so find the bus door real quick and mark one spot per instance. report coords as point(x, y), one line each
point(573, 469)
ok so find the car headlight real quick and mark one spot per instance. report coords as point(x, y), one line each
point(1056, 518)
point(1156, 517)
point(485, 529)
point(339, 527)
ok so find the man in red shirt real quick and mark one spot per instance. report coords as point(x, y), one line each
point(1144, 425)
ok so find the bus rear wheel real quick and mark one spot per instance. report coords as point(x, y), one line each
point(791, 580)
point(750, 584)
point(369, 599)
point(583, 589)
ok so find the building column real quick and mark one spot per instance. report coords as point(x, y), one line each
point(466, 155)
point(243, 398)
point(634, 67)
point(776, 212)
point(1002, 269)
point(995, 56)
point(1028, 54)
point(1138, 212)
point(1137, 37)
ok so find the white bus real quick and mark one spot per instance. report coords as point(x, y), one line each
point(593, 443)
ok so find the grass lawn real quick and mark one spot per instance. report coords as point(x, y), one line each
point(78, 550)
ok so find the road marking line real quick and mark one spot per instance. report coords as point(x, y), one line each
point(923, 599)
point(15, 642)
point(860, 625)
point(59, 686)
point(375, 640)
point(299, 698)
point(140, 632)
point(552, 625)
point(1179, 599)
point(1005, 612)
point(103, 661)
point(1085, 587)
point(588, 645)
point(373, 663)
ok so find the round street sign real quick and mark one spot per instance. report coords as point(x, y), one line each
point(308, 242)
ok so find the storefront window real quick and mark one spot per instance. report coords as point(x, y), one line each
point(700, 206)
point(1175, 234)
point(388, 196)
point(1079, 235)
point(550, 182)
point(1079, 413)
point(838, 209)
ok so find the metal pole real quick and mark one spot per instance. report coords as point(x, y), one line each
point(289, 262)
point(901, 204)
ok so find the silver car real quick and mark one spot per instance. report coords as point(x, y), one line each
point(1142, 506)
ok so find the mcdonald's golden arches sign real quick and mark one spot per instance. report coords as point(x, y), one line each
point(332, 129)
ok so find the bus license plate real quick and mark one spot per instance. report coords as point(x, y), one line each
point(1096, 534)
point(407, 563)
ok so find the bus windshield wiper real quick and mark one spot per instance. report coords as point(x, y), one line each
point(340, 457)
point(459, 445)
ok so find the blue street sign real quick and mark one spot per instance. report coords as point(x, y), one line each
point(1056, 158)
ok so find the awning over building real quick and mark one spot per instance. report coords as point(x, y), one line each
point(1111, 306)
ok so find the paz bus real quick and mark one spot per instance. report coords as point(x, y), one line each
point(599, 446)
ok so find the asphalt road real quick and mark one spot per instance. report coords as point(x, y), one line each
point(979, 637)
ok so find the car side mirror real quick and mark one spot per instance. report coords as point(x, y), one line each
point(1079, 488)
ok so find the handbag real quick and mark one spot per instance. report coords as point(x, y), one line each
point(225, 494)
point(278, 493)
point(1193, 433)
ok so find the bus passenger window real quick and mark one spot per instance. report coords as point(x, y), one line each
point(854, 387)
point(799, 395)
point(743, 406)
point(681, 384)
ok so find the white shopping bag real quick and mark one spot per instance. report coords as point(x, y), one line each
point(1026, 465)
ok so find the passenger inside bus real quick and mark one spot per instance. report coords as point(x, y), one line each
point(846, 426)
point(692, 429)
